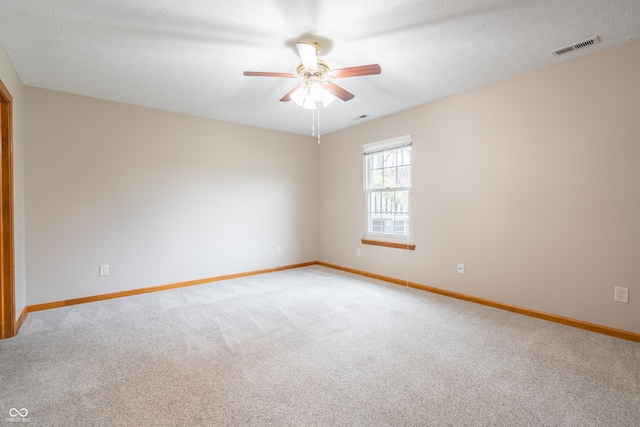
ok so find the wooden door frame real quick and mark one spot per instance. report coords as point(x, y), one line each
point(7, 260)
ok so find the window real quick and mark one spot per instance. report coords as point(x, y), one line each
point(387, 186)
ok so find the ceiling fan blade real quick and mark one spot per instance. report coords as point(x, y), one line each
point(338, 91)
point(268, 74)
point(362, 70)
point(308, 55)
point(287, 97)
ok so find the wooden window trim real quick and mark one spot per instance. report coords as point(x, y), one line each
point(406, 246)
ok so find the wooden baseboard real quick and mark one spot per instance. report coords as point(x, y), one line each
point(20, 319)
point(618, 333)
point(103, 297)
point(631, 336)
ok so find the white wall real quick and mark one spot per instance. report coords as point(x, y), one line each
point(12, 82)
point(160, 197)
point(532, 183)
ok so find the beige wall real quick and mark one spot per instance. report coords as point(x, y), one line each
point(160, 197)
point(532, 183)
point(11, 80)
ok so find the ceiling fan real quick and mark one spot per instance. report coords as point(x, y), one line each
point(316, 75)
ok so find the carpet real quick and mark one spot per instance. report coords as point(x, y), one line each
point(311, 346)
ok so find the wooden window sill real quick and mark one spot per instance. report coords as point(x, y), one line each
point(406, 246)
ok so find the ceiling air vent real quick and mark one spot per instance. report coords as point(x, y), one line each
point(576, 46)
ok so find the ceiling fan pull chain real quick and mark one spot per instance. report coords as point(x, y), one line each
point(318, 110)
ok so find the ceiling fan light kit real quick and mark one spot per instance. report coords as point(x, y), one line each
point(312, 91)
point(308, 95)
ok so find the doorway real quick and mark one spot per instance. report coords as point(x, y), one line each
point(7, 286)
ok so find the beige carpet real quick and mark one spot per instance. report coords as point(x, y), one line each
point(311, 347)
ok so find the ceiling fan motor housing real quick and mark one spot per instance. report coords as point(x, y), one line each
point(317, 75)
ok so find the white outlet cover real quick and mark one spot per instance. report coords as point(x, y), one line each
point(103, 270)
point(461, 268)
point(621, 294)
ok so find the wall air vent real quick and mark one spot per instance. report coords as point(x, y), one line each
point(576, 46)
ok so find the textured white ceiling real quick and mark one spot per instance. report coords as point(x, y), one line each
point(188, 55)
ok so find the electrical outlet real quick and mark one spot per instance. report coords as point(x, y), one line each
point(357, 251)
point(621, 294)
point(278, 250)
point(103, 270)
point(461, 268)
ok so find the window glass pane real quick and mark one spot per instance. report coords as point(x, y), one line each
point(376, 223)
point(404, 176)
point(388, 202)
point(389, 158)
point(374, 202)
point(402, 227)
point(390, 178)
point(402, 201)
point(387, 225)
point(377, 178)
point(404, 156)
point(377, 160)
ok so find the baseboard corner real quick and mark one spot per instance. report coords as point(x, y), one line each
point(601, 329)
